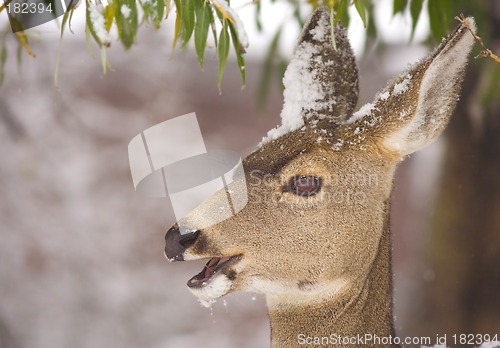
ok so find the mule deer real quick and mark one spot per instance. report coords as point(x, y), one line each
point(314, 236)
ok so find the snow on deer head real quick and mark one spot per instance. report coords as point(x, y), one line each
point(314, 236)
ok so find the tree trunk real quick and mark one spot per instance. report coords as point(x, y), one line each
point(463, 249)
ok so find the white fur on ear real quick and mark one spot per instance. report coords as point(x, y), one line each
point(437, 95)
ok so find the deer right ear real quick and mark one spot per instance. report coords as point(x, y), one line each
point(415, 108)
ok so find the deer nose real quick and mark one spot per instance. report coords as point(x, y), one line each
point(177, 243)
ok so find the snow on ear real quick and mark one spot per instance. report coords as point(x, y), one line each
point(320, 81)
point(415, 107)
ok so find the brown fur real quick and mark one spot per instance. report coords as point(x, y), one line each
point(324, 262)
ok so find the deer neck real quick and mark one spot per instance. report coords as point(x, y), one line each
point(356, 311)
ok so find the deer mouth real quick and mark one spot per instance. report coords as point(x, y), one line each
point(214, 266)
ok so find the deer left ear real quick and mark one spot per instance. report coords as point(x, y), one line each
point(415, 107)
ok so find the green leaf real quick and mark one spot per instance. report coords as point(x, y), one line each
point(63, 26)
point(154, 10)
point(15, 23)
point(415, 9)
point(296, 14)
point(90, 23)
point(19, 58)
point(3, 55)
point(222, 52)
point(435, 19)
point(126, 21)
point(360, 7)
point(177, 30)
point(399, 6)
point(109, 15)
point(267, 69)
point(372, 28)
point(201, 30)
point(281, 67)
point(3, 59)
point(187, 25)
point(449, 11)
point(71, 19)
point(487, 94)
point(314, 3)
point(440, 13)
point(23, 41)
point(95, 15)
point(97, 33)
point(219, 14)
point(258, 21)
point(88, 36)
point(213, 27)
point(158, 12)
point(168, 7)
point(346, 19)
point(65, 19)
point(240, 51)
point(340, 9)
point(104, 60)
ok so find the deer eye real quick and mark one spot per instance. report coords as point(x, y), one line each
point(303, 185)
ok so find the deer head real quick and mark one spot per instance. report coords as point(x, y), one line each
point(314, 235)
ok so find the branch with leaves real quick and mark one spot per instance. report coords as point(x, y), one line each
point(192, 17)
point(197, 21)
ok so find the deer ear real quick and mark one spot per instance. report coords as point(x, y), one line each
point(415, 107)
point(321, 80)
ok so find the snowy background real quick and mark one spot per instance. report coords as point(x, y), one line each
point(81, 254)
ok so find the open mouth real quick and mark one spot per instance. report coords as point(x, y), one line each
point(214, 266)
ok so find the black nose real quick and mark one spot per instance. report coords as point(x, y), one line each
point(177, 243)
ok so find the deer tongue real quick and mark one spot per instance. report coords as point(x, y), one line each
point(211, 267)
point(212, 264)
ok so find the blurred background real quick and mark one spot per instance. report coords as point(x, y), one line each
point(81, 254)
